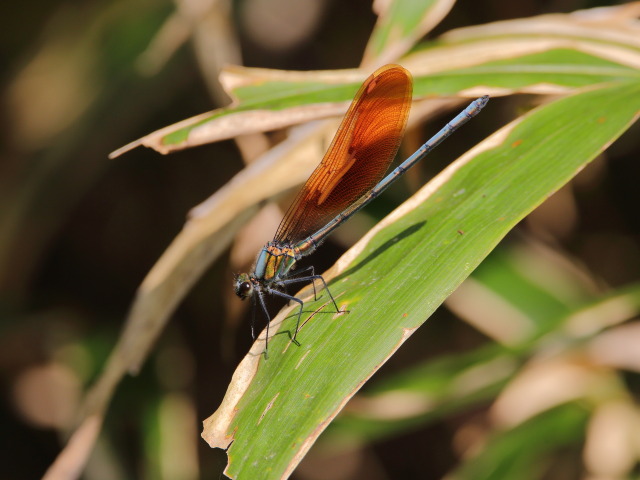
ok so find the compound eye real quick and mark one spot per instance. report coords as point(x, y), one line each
point(244, 290)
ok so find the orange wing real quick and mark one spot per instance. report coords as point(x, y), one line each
point(359, 156)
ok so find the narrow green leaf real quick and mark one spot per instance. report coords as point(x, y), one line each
point(395, 278)
point(271, 100)
point(524, 452)
point(401, 23)
point(562, 68)
point(450, 384)
point(434, 390)
point(543, 304)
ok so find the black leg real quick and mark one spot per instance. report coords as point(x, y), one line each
point(299, 272)
point(264, 308)
point(290, 298)
point(253, 317)
point(312, 278)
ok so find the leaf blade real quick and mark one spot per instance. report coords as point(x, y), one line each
point(399, 274)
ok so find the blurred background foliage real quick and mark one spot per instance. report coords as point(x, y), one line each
point(78, 233)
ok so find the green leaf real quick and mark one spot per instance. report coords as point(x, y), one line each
point(562, 68)
point(394, 279)
point(543, 293)
point(451, 384)
point(425, 393)
point(524, 452)
point(267, 99)
point(401, 23)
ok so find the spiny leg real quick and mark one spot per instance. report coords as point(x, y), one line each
point(253, 317)
point(294, 275)
point(290, 298)
point(264, 309)
point(312, 278)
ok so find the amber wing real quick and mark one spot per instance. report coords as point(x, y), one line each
point(359, 156)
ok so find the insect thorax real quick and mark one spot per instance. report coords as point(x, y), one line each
point(275, 261)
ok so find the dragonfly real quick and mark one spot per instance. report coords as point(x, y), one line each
point(351, 174)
